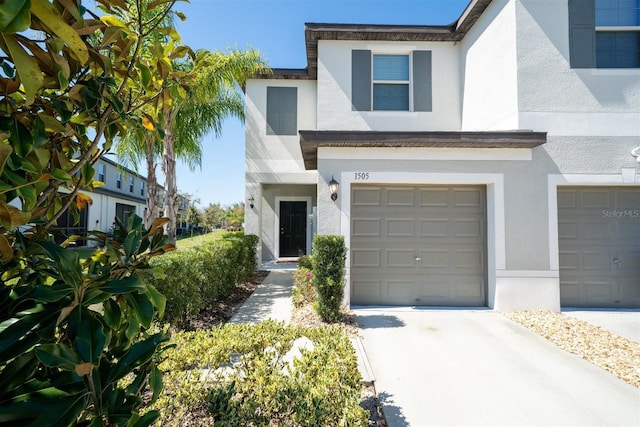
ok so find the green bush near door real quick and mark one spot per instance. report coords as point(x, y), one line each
point(328, 260)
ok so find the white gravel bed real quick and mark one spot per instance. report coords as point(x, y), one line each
point(612, 352)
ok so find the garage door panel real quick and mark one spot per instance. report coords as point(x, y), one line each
point(468, 227)
point(365, 258)
point(400, 197)
point(400, 227)
point(366, 227)
point(443, 227)
point(434, 197)
point(596, 199)
point(472, 260)
point(597, 230)
point(400, 289)
point(599, 242)
point(366, 197)
point(600, 290)
point(467, 198)
point(435, 227)
point(400, 258)
point(568, 229)
point(363, 288)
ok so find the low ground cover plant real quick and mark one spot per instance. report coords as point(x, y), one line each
point(241, 375)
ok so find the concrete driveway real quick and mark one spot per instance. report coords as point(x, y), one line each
point(623, 322)
point(466, 367)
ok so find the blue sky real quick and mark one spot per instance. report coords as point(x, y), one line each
point(276, 29)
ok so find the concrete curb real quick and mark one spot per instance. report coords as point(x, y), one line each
point(363, 361)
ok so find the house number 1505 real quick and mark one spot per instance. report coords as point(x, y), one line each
point(361, 176)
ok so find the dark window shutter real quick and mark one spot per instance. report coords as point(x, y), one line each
point(282, 110)
point(582, 33)
point(422, 85)
point(361, 80)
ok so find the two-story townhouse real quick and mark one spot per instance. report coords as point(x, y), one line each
point(490, 162)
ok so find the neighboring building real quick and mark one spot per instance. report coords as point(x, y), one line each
point(484, 163)
point(124, 192)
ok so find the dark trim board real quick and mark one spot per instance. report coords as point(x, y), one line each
point(310, 140)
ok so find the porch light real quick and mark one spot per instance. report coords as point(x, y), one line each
point(333, 188)
point(251, 200)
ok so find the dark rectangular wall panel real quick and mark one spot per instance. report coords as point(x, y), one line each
point(422, 84)
point(361, 80)
point(282, 110)
point(582, 33)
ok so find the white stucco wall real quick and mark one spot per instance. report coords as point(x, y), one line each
point(276, 154)
point(334, 88)
point(272, 160)
point(489, 76)
point(562, 101)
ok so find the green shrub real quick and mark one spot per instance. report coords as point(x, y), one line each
point(322, 388)
point(195, 278)
point(76, 343)
point(303, 290)
point(329, 254)
point(305, 262)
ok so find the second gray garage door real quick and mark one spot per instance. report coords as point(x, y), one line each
point(599, 242)
point(418, 245)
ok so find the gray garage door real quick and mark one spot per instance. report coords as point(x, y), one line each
point(599, 241)
point(418, 245)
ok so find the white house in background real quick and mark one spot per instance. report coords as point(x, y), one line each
point(124, 192)
point(483, 163)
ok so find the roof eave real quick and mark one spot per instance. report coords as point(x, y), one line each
point(311, 140)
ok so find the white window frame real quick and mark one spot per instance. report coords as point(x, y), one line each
point(131, 184)
point(119, 180)
point(409, 82)
point(102, 173)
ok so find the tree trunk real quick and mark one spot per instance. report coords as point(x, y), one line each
point(169, 170)
point(152, 183)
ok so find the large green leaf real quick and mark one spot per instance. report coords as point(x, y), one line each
point(139, 354)
point(58, 356)
point(15, 15)
point(5, 152)
point(43, 10)
point(124, 286)
point(27, 67)
point(158, 300)
point(90, 339)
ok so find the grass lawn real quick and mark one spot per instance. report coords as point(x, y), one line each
point(190, 242)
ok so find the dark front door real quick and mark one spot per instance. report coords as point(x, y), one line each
point(293, 229)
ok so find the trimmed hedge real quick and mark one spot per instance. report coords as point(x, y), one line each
point(195, 278)
point(328, 259)
point(238, 373)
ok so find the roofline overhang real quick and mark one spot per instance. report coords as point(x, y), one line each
point(322, 31)
point(311, 140)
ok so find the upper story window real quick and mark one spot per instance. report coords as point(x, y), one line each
point(617, 33)
point(142, 188)
point(130, 184)
point(391, 82)
point(101, 172)
point(282, 110)
point(119, 180)
point(604, 33)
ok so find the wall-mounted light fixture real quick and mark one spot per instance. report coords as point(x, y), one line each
point(635, 152)
point(251, 200)
point(334, 186)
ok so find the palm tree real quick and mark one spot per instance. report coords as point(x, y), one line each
point(214, 96)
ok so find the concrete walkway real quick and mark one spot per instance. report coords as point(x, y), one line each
point(624, 322)
point(455, 367)
point(271, 300)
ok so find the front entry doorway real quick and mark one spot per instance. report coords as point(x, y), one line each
point(293, 229)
